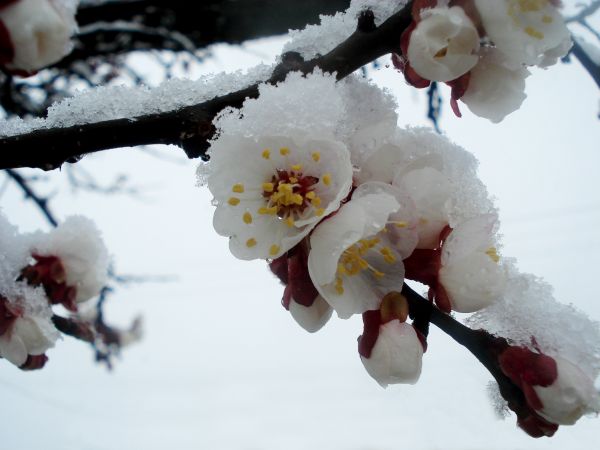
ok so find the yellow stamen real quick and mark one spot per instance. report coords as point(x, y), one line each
point(268, 187)
point(293, 180)
point(274, 250)
point(316, 156)
point(234, 201)
point(250, 242)
point(316, 202)
point(284, 151)
point(297, 167)
point(401, 224)
point(547, 19)
point(310, 195)
point(238, 188)
point(266, 154)
point(319, 212)
point(339, 286)
point(493, 254)
point(327, 179)
point(536, 34)
point(290, 221)
point(247, 218)
point(269, 211)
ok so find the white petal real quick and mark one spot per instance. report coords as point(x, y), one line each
point(430, 191)
point(444, 44)
point(533, 35)
point(39, 33)
point(473, 283)
point(397, 356)
point(13, 349)
point(495, 89)
point(37, 334)
point(311, 318)
point(569, 397)
point(473, 235)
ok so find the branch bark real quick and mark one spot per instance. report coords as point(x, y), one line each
point(191, 127)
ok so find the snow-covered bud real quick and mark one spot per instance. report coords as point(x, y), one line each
point(23, 335)
point(470, 272)
point(496, 87)
point(356, 255)
point(71, 262)
point(390, 349)
point(35, 33)
point(530, 32)
point(278, 195)
point(444, 44)
point(557, 390)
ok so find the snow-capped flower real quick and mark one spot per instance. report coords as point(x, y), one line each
point(272, 191)
point(356, 255)
point(470, 273)
point(71, 262)
point(530, 32)
point(496, 88)
point(556, 390)
point(443, 45)
point(23, 335)
point(390, 349)
point(36, 33)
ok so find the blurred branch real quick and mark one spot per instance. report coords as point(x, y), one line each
point(30, 194)
point(191, 127)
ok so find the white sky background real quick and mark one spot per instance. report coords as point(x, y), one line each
point(223, 366)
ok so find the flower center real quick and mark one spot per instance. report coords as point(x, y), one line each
point(289, 193)
point(352, 261)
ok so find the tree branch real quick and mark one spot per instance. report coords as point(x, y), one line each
point(191, 127)
point(40, 202)
point(588, 63)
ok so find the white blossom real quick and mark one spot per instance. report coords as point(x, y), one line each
point(354, 260)
point(471, 274)
point(271, 191)
point(496, 87)
point(82, 253)
point(39, 32)
point(530, 32)
point(28, 335)
point(570, 396)
point(397, 356)
point(444, 44)
point(312, 318)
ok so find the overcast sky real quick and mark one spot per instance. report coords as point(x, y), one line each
point(223, 366)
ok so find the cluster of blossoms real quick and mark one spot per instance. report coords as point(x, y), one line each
point(482, 49)
point(346, 207)
point(66, 266)
point(35, 33)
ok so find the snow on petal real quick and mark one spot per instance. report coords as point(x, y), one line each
point(397, 355)
point(38, 32)
point(283, 188)
point(530, 32)
point(312, 318)
point(352, 261)
point(470, 272)
point(444, 44)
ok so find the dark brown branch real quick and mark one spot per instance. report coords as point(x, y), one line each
point(485, 347)
point(191, 127)
point(202, 23)
point(588, 63)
